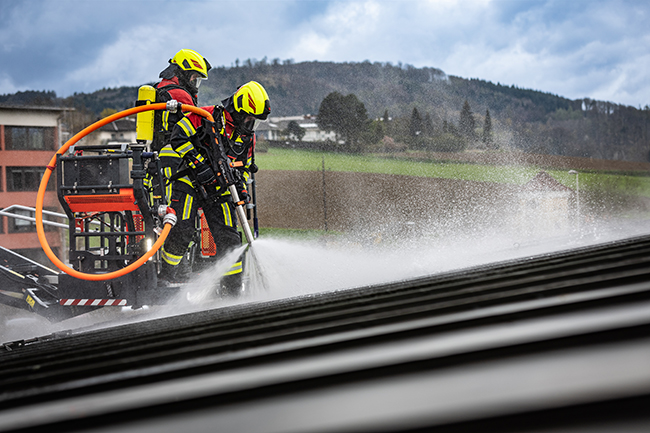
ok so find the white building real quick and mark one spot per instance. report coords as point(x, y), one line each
point(544, 207)
point(119, 131)
point(274, 129)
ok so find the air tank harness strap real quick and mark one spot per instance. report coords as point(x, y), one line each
point(186, 172)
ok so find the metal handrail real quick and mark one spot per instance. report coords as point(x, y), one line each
point(6, 212)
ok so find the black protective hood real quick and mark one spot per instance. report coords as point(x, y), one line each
point(170, 72)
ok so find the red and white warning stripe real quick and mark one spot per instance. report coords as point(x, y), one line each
point(93, 302)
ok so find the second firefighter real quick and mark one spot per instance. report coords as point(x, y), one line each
point(193, 180)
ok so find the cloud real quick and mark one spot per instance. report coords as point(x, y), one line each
point(583, 48)
point(136, 54)
point(123, 62)
point(42, 39)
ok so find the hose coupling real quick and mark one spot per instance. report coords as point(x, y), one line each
point(168, 215)
point(173, 105)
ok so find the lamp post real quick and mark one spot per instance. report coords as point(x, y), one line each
point(577, 198)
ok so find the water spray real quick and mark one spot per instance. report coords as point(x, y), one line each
point(241, 214)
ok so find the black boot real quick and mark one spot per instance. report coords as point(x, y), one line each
point(231, 286)
point(167, 275)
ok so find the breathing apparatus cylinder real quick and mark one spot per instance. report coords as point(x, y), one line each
point(144, 120)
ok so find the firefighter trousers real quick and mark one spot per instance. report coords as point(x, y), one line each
point(186, 200)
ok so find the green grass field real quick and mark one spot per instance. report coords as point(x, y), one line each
point(288, 159)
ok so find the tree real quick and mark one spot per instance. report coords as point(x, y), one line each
point(386, 120)
point(450, 128)
point(375, 132)
point(488, 136)
point(344, 115)
point(416, 125)
point(296, 130)
point(107, 112)
point(466, 123)
point(427, 125)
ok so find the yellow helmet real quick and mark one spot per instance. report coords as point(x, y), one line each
point(190, 60)
point(248, 107)
point(251, 99)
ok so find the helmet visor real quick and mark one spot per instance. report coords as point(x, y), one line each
point(196, 80)
point(250, 124)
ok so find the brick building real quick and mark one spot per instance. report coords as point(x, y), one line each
point(29, 137)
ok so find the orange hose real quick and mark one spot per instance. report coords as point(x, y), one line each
point(40, 231)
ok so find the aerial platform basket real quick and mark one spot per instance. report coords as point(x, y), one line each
point(110, 212)
point(118, 219)
point(101, 190)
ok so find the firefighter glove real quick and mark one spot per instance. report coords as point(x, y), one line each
point(204, 174)
point(243, 193)
point(243, 196)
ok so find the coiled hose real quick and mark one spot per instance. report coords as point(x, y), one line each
point(169, 218)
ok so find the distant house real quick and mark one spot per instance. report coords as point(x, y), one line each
point(29, 138)
point(274, 129)
point(116, 132)
point(544, 207)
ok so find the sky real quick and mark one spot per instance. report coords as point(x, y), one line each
point(598, 49)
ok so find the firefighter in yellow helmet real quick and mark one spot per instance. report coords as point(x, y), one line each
point(180, 81)
point(193, 180)
point(186, 70)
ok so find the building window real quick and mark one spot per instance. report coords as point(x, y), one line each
point(19, 225)
point(29, 138)
point(26, 178)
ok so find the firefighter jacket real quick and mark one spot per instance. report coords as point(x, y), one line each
point(164, 120)
point(176, 91)
point(189, 143)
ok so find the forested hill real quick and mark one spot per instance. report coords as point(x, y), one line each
point(531, 120)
